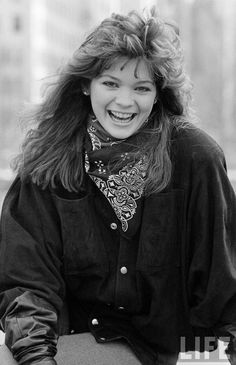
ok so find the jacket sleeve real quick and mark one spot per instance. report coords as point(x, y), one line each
point(31, 281)
point(212, 248)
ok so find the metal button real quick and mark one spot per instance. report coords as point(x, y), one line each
point(121, 308)
point(113, 226)
point(94, 322)
point(72, 331)
point(123, 270)
point(102, 339)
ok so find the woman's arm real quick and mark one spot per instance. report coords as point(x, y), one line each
point(212, 249)
point(31, 283)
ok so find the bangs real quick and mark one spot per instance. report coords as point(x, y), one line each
point(111, 60)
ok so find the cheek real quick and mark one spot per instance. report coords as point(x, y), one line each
point(94, 95)
point(99, 98)
point(146, 107)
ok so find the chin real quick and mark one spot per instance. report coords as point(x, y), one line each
point(121, 135)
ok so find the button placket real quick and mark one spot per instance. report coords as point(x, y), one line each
point(125, 274)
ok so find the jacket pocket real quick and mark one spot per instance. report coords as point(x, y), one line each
point(83, 247)
point(161, 231)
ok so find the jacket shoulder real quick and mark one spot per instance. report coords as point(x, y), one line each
point(25, 194)
point(193, 144)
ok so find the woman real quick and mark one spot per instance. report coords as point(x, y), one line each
point(121, 209)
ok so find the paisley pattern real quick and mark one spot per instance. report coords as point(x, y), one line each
point(123, 190)
point(96, 143)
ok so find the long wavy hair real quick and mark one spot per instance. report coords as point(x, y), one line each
point(54, 150)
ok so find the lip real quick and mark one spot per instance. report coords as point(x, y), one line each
point(121, 118)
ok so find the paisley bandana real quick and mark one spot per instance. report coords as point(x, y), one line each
point(122, 183)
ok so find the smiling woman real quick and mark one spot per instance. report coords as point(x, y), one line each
point(119, 229)
point(121, 100)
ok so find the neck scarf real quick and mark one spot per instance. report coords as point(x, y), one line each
point(122, 183)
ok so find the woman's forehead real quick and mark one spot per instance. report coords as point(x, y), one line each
point(137, 66)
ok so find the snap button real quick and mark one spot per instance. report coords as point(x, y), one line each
point(113, 226)
point(94, 322)
point(121, 308)
point(102, 339)
point(123, 270)
point(72, 331)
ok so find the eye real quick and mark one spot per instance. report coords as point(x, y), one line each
point(143, 88)
point(110, 84)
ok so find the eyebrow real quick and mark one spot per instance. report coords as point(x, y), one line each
point(138, 82)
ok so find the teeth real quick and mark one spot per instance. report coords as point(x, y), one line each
point(122, 115)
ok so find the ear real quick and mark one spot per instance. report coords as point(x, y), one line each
point(86, 88)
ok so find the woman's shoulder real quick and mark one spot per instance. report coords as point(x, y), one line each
point(25, 188)
point(192, 142)
point(23, 191)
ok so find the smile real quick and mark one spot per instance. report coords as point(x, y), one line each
point(121, 117)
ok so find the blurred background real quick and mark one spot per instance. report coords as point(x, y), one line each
point(38, 36)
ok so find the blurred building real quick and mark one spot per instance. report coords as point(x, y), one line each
point(13, 75)
point(213, 68)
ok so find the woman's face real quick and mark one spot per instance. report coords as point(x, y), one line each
point(122, 102)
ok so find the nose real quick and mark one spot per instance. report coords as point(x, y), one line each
point(124, 98)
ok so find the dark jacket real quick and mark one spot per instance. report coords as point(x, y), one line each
point(174, 280)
